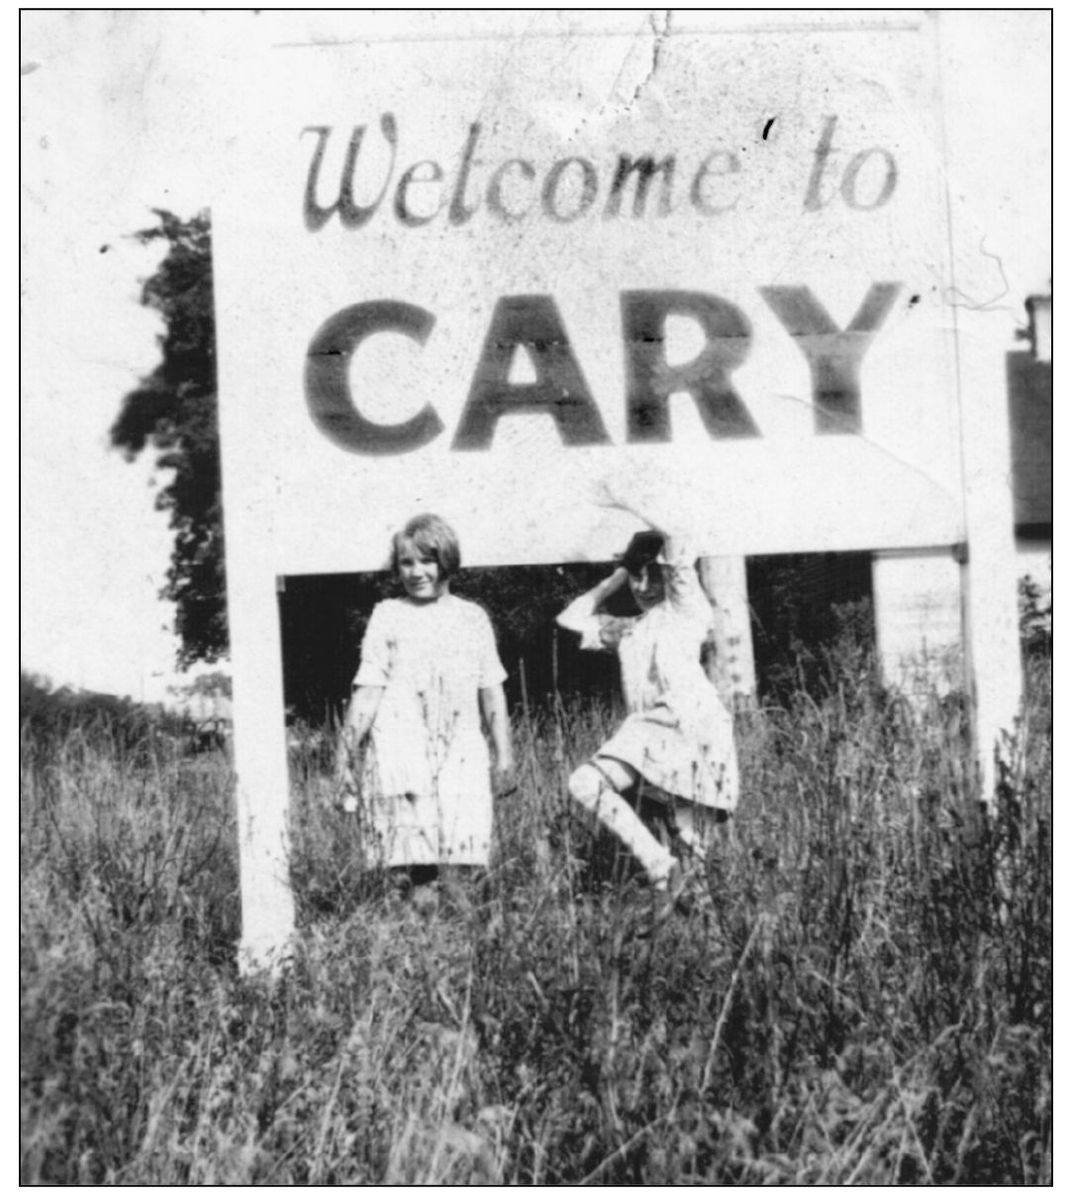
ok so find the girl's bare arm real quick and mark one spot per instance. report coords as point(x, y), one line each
point(497, 721)
point(359, 720)
point(585, 605)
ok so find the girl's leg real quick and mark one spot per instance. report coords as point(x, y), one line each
point(598, 789)
point(698, 827)
point(693, 828)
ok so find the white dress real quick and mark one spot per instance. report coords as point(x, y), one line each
point(678, 733)
point(425, 778)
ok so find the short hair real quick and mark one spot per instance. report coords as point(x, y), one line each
point(642, 550)
point(433, 536)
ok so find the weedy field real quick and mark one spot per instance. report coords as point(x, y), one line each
point(869, 999)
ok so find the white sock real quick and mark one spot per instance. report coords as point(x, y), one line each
point(618, 816)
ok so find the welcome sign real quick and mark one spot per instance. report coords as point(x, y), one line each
point(474, 263)
point(472, 273)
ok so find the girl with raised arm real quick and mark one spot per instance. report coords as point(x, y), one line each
point(675, 750)
point(414, 761)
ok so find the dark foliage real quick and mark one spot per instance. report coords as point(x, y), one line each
point(801, 606)
point(48, 715)
point(323, 621)
point(1036, 619)
point(173, 412)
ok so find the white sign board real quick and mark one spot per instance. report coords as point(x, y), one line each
point(472, 274)
point(471, 263)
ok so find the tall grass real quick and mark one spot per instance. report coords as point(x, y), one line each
point(868, 1002)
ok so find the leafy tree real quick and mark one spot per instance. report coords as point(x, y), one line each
point(207, 684)
point(173, 412)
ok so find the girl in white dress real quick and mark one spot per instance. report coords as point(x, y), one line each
point(415, 762)
point(676, 745)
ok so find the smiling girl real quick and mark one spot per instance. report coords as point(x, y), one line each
point(413, 745)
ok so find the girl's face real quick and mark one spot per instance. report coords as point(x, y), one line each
point(420, 573)
point(647, 586)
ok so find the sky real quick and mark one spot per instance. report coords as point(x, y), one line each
point(124, 112)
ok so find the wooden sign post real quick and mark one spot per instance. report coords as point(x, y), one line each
point(732, 668)
point(992, 641)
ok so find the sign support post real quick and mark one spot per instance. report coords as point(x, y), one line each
point(918, 621)
point(260, 759)
point(991, 617)
point(733, 671)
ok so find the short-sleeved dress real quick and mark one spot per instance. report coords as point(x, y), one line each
point(425, 775)
point(678, 734)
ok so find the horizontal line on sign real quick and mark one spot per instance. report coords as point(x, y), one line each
point(957, 547)
point(905, 26)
